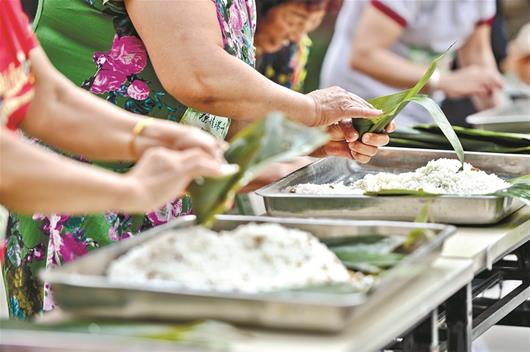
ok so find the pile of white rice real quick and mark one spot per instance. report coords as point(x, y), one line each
point(252, 258)
point(442, 176)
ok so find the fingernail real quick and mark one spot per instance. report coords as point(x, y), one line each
point(229, 169)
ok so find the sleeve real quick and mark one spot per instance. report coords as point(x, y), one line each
point(487, 10)
point(400, 11)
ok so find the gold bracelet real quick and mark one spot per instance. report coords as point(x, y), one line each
point(137, 130)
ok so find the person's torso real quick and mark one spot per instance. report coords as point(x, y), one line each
point(94, 44)
point(429, 28)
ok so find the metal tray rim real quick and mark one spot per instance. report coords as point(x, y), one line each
point(265, 191)
point(57, 276)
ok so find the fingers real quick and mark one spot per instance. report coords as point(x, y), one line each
point(375, 139)
point(357, 111)
point(343, 130)
point(198, 163)
point(391, 127)
point(363, 149)
point(335, 148)
point(350, 134)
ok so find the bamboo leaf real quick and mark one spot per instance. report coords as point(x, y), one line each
point(442, 122)
point(274, 139)
point(503, 139)
point(416, 235)
point(391, 105)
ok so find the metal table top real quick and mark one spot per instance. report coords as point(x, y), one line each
point(486, 245)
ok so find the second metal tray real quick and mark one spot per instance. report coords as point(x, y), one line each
point(444, 209)
point(513, 118)
point(82, 288)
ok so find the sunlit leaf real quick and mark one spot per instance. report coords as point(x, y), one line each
point(273, 139)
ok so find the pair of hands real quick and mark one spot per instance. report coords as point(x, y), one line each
point(483, 85)
point(335, 107)
point(172, 155)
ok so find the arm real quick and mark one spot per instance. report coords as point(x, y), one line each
point(371, 52)
point(69, 118)
point(33, 179)
point(477, 54)
point(185, 45)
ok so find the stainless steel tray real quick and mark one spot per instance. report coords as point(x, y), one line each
point(443, 209)
point(82, 288)
point(513, 118)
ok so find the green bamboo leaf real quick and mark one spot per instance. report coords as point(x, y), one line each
point(416, 235)
point(442, 122)
point(270, 140)
point(503, 139)
point(393, 104)
point(413, 138)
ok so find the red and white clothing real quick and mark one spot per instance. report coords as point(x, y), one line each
point(16, 82)
point(429, 28)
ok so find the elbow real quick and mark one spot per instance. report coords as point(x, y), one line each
point(360, 57)
point(197, 90)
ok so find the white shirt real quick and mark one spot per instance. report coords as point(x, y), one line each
point(429, 28)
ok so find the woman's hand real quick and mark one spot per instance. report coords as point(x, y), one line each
point(335, 104)
point(162, 175)
point(345, 142)
point(163, 133)
point(471, 81)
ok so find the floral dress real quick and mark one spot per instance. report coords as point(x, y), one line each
point(287, 66)
point(94, 44)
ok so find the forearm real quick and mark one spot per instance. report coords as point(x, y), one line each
point(35, 180)
point(383, 65)
point(74, 120)
point(245, 96)
point(185, 45)
point(477, 50)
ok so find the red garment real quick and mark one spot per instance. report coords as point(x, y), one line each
point(16, 82)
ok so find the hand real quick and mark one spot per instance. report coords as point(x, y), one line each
point(162, 175)
point(335, 104)
point(345, 142)
point(171, 135)
point(471, 80)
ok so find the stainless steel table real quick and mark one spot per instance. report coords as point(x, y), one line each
point(468, 314)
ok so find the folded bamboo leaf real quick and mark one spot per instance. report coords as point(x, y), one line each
point(391, 105)
point(274, 139)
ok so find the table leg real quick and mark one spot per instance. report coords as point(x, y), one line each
point(459, 319)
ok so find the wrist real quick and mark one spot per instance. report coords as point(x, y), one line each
point(141, 138)
point(435, 81)
point(312, 113)
point(128, 194)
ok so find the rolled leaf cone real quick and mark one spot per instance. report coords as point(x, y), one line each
point(393, 104)
point(270, 140)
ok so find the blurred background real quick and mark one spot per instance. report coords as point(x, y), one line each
point(512, 15)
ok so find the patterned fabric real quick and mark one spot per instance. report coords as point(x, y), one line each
point(16, 82)
point(94, 44)
point(287, 67)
